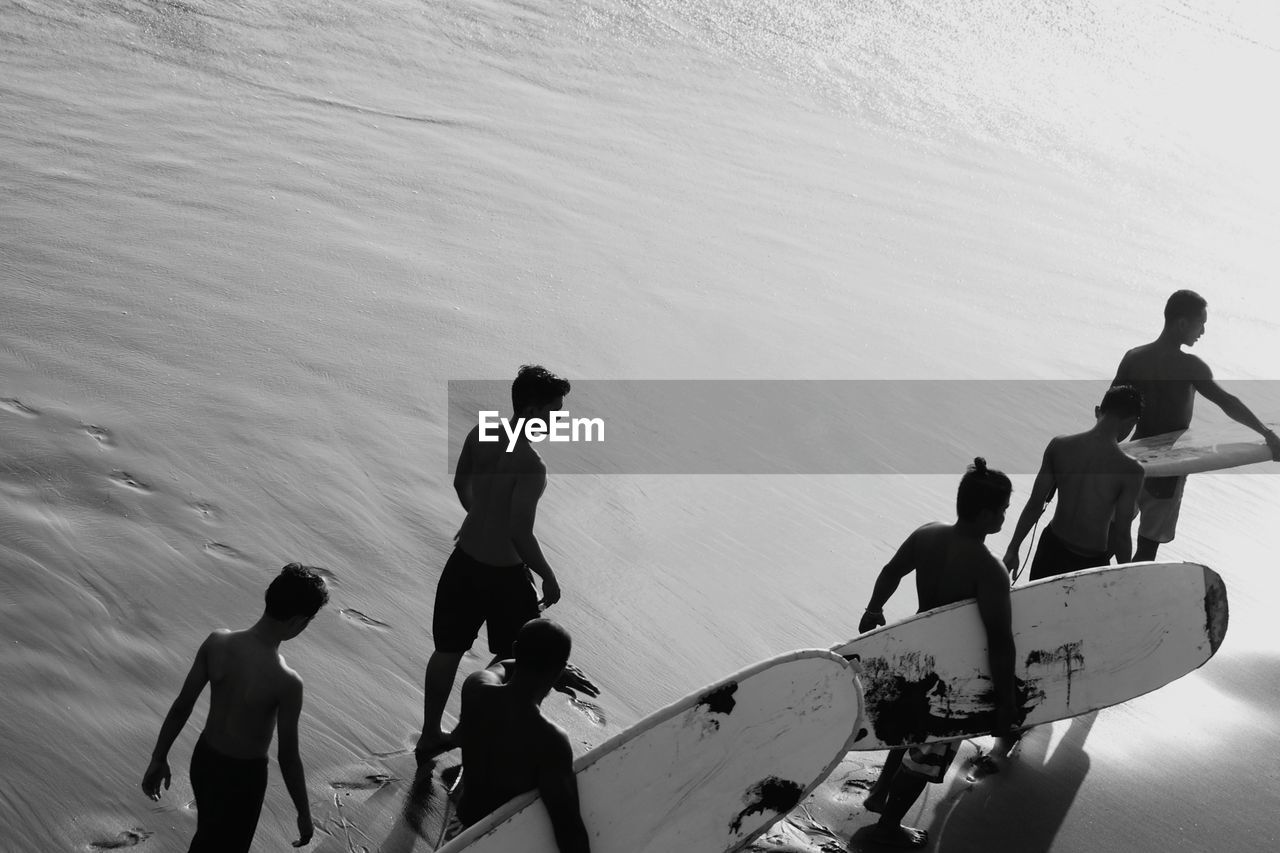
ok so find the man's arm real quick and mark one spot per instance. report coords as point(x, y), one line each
point(157, 771)
point(1041, 491)
point(899, 566)
point(528, 489)
point(993, 607)
point(462, 472)
point(559, 789)
point(1235, 408)
point(295, 779)
point(1121, 543)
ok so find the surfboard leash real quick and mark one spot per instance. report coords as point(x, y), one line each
point(1031, 540)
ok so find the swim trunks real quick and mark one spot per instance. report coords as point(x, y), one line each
point(229, 793)
point(931, 760)
point(1158, 505)
point(1055, 557)
point(472, 593)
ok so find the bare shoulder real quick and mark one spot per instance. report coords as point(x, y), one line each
point(1194, 366)
point(528, 461)
point(286, 677)
point(554, 742)
point(988, 568)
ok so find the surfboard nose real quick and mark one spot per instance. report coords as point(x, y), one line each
point(1215, 608)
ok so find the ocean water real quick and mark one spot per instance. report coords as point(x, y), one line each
point(244, 247)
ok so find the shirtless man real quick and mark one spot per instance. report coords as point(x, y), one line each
point(252, 692)
point(1168, 380)
point(487, 578)
point(508, 747)
point(952, 563)
point(1098, 486)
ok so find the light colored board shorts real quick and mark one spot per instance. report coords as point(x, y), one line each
point(1158, 519)
point(930, 761)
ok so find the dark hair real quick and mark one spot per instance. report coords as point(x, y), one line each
point(297, 591)
point(542, 646)
point(1122, 400)
point(981, 488)
point(1184, 303)
point(535, 385)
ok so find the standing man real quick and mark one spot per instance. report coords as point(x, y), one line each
point(1168, 380)
point(253, 692)
point(952, 563)
point(1098, 486)
point(488, 577)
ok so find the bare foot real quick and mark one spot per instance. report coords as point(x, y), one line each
point(898, 836)
point(429, 746)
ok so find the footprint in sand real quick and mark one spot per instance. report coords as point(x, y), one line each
point(102, 435)
point(226, 552)
point(367, 783)
point(362, 619)
point(593, 712)
point(126, 838)
point(205, 510)
point(13, 404)
point(124, 478)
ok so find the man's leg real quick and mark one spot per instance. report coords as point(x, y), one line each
point(904, 790)
point(880, 789)
point(455, 622)
point(442, 667)
point(1146, 549)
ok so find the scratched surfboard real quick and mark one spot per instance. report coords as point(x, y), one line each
point(707, 773)
point(1084, 641)
point(1199, 449)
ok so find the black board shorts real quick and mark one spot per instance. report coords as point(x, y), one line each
point(229, 793)
point(1053, 557)
point(472, 593)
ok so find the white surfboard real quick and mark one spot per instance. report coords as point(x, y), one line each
point(1084, 641)
point(1196, 450)
point(707, 773)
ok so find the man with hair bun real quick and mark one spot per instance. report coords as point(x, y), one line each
point(252, 692)
point(952, 563)
point(509, 747)
point(1168, 379)
point(1098, 486)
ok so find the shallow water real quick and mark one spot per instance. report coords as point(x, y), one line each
point(244, 247)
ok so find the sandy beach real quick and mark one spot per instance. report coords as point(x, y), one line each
point(244, 248)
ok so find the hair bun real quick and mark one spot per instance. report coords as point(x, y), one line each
point(979, 464)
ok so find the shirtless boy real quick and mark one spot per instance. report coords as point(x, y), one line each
point(487, 577)
point(508, 747)
point(1168, 379)
point(1098, 486)
point(252, 691)
point(952, 563)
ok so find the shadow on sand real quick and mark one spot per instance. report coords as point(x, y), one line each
point(1024, 806)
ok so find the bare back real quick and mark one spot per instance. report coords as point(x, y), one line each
point(952, 568)
point(248, 680)
point(493, 476)
point(506, 745)
point(1166, 377)
point(1093, 475)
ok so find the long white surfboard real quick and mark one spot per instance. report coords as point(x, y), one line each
point(1196, 450)
point(1084, 641)
point(707, 773)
